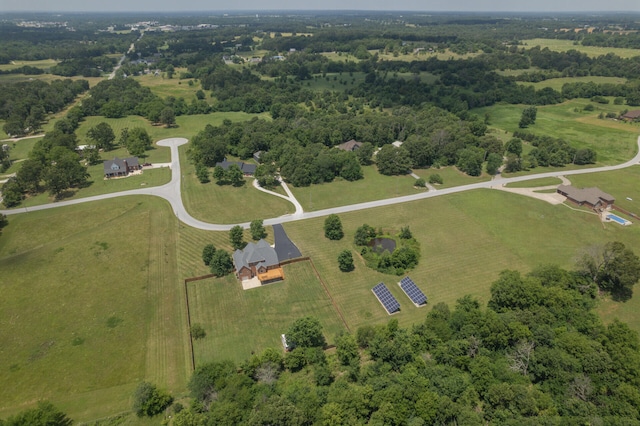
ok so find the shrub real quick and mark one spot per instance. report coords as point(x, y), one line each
point(345, 261)
point(149, 400)
point(435, 179)
point(420, 182)
point(333, 227)
point(197, 331)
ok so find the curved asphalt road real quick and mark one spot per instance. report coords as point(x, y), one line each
point(171, 193)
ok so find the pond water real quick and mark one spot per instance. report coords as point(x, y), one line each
point(381, 244)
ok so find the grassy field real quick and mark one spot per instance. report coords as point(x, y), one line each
point(557, 83)
point(42, 64)
point(592, 51)
point(535, 183)
point(451, 176)
point(91, 305)
point(165, 87)
point(614, 141)
point(14, 78)
point(467, 239)
point(215, 203)
point(223, 307)
point(374, 186)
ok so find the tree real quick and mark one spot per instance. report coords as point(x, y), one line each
point(168, 117)
point(345, 261)
point(236, 235)
point(405, 233)
point(221, 263)
point(207, 253)
point(614, 268)
point(514, 146)
point(257, 229)
point(364, 234)
point(364, 153)
point(137, 141)
point(513, 164)
point(148, 400)
point(494, 161)
point(333, 227)
point(435, 178)
point(218, 174)
point(347, 349)
point(470, 161)
point(420, 183)
point(197, 331)
point(306, 333)
point(393, 161)
point(46, 414)
point(234, 175)
point(103, 136)
point(528, 117)
point(202, 173)
point(11, 193)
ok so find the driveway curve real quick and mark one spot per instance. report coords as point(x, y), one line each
point(172, 193)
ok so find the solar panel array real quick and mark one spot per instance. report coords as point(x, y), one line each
point(411, 289)
point(386, 298)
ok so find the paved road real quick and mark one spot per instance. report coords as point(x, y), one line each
point(171, 193)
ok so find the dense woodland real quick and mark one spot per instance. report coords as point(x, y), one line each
point(536, 354)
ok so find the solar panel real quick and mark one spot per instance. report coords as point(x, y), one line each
point(411, 289)
point(386, 298)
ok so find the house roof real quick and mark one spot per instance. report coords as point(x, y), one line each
point(258, 254)
point(119, 166)
point(632, 114)
point(590, 195)
point(351, 145)
point(246, 168)
point(114, 166)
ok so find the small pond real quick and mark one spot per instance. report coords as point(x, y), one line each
point(379, 245)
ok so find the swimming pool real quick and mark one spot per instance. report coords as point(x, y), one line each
point(618, 219)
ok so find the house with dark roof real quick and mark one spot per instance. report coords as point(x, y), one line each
point(593, 198)
point(246, 168)
point(258, 260)
point(120, 168)
point(631, 115)
point(351, 145)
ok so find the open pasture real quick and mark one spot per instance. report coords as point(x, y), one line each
point(613, 141)
point(42, 64)
point(592, 51)
point(91, 306)
point(557, 83)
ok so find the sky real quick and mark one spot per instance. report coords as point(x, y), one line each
point(408, 5)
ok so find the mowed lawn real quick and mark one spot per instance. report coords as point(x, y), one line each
point(592, 51)
point(215, 203)
point(374, 186)
point(613, 141)
point(466, 239)
point(239, 322)
point(91, 305)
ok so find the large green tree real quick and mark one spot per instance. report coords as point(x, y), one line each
point(306, 332)
point(45, 414)
point(103, 136)
point(221, 263)
point(257, 229)
point(528, 117)
point(393, 161)
point(333, 227)
point(236, 237)
point(137, 141)
point(613, 267)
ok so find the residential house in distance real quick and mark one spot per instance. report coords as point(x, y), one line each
point(594, 198)
point(351, 145)
point(121, 168)
point(246, 168)
point(631, 115)
point(258, 260)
